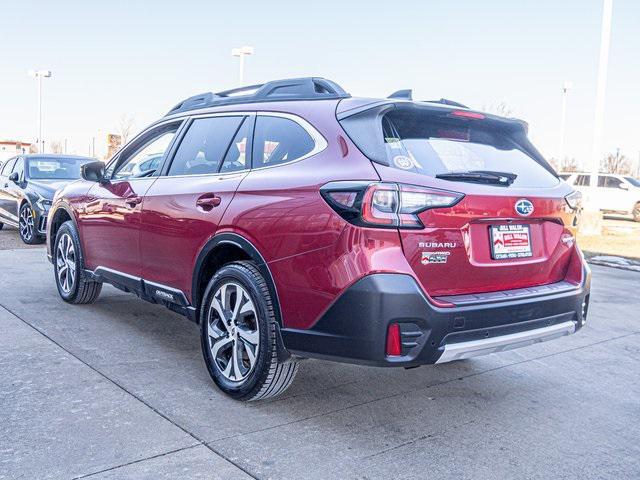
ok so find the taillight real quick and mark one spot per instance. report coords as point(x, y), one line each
point(574, 200)
point(386, 205)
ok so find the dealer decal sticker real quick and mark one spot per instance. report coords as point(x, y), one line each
point(403, 162)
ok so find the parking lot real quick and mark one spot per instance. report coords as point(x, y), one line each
point(118, 389)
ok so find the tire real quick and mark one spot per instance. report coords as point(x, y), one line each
point(636, 212)
point(1, 225)
point(26, 226)
point(71, 281)
point(224, 336)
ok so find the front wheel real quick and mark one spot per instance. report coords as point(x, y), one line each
point(636, 212)
point(73, 285)
point(238, 327)
point(26, 226)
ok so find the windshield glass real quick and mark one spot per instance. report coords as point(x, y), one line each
point(431, 146)
point(633, 181)
point(59, 168)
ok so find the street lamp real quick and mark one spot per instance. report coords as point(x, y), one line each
point(40, 74)
point(596, 154)
point(242, 52)
point(566, 86)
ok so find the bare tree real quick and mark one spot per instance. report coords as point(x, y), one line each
point(616, 163)
point(569, 165)
point(125, 128)
point(553, 161)
point(498, 108)
point(56, 146)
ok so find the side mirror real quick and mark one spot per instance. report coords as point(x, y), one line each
point(624, 186)
point(93, 172)
point(14, 177)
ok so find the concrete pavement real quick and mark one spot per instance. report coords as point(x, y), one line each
point(118, 389)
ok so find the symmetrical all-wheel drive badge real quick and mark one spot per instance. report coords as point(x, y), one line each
point(434, 257)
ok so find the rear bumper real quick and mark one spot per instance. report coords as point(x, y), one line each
point(354, 329)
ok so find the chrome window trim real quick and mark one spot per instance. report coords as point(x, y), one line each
point(320, 142)
point(190, 119)
point(193, 175)
point(151, 127)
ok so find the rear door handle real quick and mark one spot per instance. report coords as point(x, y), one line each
point(133, 200)
point(207, 201)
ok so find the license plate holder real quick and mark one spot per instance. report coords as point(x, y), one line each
point(510, 241)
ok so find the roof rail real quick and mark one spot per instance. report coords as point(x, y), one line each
point(308, 88)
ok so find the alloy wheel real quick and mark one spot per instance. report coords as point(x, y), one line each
point(66, 263)
point(26, 223)
point(233, 331)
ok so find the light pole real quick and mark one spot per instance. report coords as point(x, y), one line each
point(596, 154)
point(40, 74)
point(242, 52)
point(566, 86)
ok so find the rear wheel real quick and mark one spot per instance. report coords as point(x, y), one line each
point(26, 226)
point(73, 285)
point(238, 327)
point(636, 212)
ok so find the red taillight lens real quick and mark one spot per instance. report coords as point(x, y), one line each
point(380, 205)
point(394, 345)
point(398, 205)
point(383, 204)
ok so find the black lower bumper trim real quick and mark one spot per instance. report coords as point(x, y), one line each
point(354, 328)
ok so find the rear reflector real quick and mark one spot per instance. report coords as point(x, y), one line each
point(394, 346)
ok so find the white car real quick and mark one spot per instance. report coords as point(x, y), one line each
point(615, 193)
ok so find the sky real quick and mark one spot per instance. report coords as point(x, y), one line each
point(138, 59)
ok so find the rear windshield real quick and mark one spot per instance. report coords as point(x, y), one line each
point(425, 144)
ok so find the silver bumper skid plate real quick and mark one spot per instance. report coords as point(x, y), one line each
point(474, 348)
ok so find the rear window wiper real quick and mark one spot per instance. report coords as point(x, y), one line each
point(480, 176)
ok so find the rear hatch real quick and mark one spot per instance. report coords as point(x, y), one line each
point(509, 226)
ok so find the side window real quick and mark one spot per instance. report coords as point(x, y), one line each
point(19, 168)
point(601, 179)
point(204, 146)
point(143, 158)
point(279, 140)
point(612, 182)
point(6, 169)
point(583, 180)
point(235, 159)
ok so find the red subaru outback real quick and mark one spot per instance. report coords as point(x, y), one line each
point(290, 220)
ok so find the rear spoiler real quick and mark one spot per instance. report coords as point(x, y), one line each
point(367, 119)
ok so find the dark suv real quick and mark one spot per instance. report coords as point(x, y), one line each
point(290, 220)
point(27, 185)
